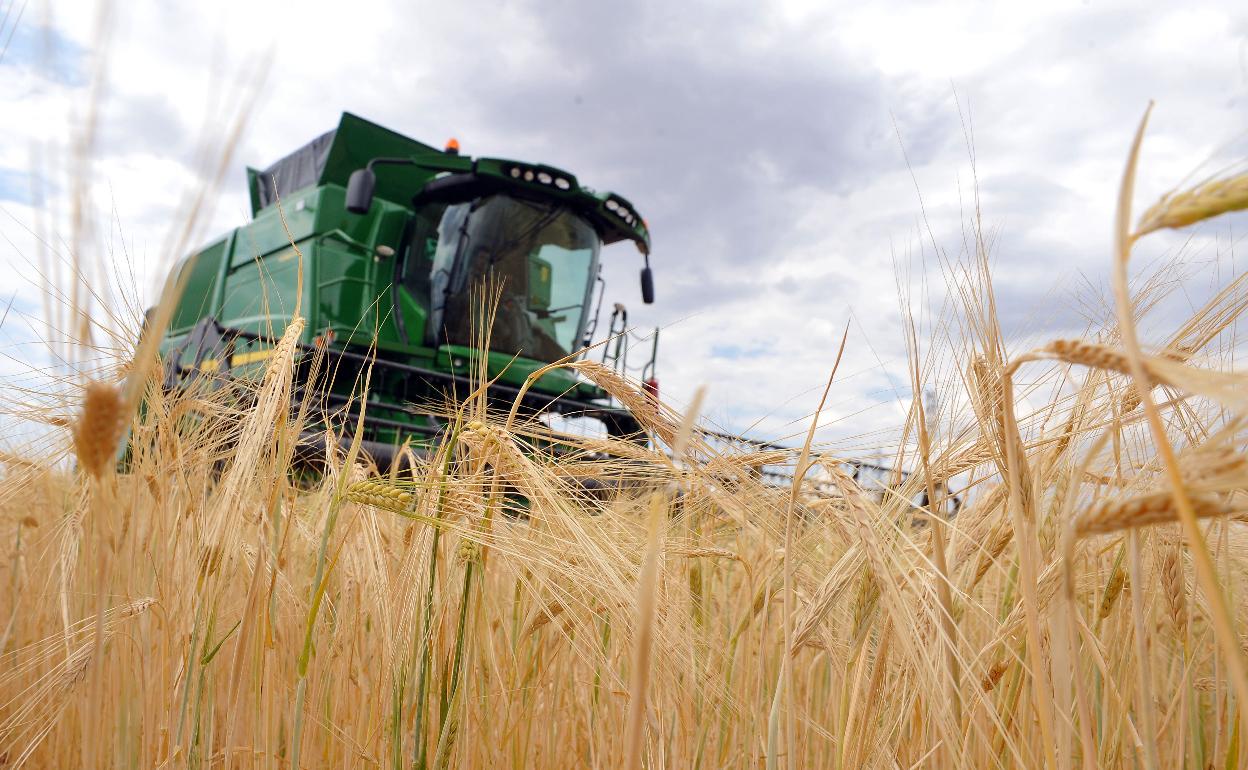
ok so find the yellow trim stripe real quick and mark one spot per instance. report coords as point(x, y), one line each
point(250, 357)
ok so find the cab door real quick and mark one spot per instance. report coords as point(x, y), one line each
point(414, 272)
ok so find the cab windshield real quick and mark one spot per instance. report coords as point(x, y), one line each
point(538, 256)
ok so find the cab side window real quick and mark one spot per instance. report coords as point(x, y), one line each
point(418, 252)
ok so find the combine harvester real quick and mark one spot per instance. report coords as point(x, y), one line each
point(397, 239)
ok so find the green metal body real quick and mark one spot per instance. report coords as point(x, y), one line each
point(353, 268)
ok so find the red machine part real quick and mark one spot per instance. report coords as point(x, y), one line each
point(652, 388)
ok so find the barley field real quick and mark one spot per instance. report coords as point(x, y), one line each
point(1080, 603)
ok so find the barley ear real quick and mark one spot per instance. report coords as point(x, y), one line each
point(1113, 589)
point(993, 676)
point(99, 428)
point(1143, 511)
point(1204, 201)
point(379, 495)
point(1175, 585)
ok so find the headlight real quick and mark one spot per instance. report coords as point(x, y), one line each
point(540, 176)
point(622, 211)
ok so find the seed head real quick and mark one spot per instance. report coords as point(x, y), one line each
point(993, 676)
point(1117, 581)
point(469, 552)
point(99, 427)
point(1143, 511)
point(379, 495)
point(1204, 201)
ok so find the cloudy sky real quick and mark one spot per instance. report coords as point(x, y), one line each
point(766, 144)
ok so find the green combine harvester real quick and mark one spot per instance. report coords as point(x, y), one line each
point(398, 238)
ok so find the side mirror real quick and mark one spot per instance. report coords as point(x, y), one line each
point(360, 190)
point(647, 285)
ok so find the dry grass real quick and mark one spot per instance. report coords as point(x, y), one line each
point(207, 607)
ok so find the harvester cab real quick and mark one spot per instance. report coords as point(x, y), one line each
point(405, 249)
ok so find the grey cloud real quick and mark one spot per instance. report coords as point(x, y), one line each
point(697, 289)
point(1023, 194)
point(820, 285)
point(707, 131)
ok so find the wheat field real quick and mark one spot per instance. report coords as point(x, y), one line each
point(207, 604)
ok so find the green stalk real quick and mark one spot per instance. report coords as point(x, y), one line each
point(191, 659)
point(606, 641)
point(319, 581)
point(451, 704)
point(305, 655)
point(1195, 714)
point(396, 719)
point(1232, 751)
point(451, 700)
point(459, 631)
point(426, 657)
point(205, 658)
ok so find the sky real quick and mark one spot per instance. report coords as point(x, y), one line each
point(797, 162)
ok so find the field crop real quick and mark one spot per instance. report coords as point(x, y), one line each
point(1081, 603)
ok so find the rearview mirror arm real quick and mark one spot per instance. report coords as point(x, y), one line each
point(363, 182)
